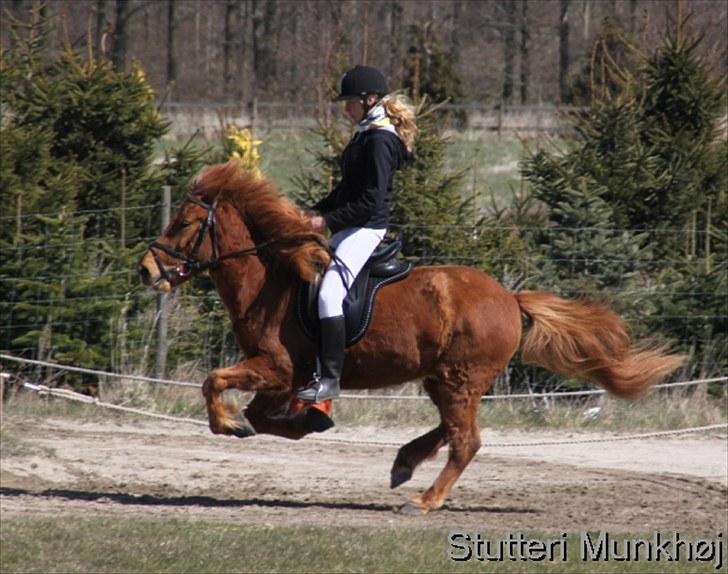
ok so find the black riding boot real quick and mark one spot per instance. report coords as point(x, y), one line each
point(332, 340)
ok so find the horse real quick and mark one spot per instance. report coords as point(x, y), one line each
point(453, 328)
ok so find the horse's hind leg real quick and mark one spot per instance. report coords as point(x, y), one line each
point(458, 404)
point(420, 449)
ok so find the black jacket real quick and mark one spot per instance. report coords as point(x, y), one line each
point(362, 197)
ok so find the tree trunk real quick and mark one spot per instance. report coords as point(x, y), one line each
point(171, 41)
point(294, 79)
point(264, 40)
point(242, 46)
point(100, 26)
point(396, 40)
point(509, 51)
point(197, 34)
point(564, 50)
point(121, 29)
point(632, 16)
point(365, 33)
point(456, 31)
point(228, 44)
point(525, 58)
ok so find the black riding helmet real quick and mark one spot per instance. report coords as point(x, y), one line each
point(360, 81)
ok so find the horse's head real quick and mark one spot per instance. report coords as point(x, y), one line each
point(195, 242)
point(187, 246)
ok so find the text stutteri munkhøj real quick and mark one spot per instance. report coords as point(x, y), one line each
point(593, 547)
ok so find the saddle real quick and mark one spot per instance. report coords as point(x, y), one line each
point(382, 269)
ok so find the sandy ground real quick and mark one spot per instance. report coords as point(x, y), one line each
point(160, 469)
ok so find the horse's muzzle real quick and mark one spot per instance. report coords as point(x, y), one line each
point(150, 274)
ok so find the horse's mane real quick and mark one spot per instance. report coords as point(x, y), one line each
point(272, 215)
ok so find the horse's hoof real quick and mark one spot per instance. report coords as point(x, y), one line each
point(412, 509)
point(242, 428)
point(400, 475)
point(317, 421)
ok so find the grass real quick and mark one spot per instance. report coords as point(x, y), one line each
point(103, 544)
point(662, 410)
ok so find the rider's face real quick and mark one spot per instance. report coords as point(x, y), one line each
point(354, 108)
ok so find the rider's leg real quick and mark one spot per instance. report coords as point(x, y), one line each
point(352, 247)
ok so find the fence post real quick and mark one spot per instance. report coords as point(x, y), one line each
point(500, 117)
point(253, 115)
point(161, 362)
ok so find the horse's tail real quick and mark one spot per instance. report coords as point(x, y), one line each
point(585, 339)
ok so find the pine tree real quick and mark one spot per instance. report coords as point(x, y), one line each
point(430, 217)
point(76, 148)
point(646, 177)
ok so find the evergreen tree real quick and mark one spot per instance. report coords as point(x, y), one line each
point(429, 215)
point(646, 176)
point(76, 149)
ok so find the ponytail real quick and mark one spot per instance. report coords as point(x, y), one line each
point(401, 113)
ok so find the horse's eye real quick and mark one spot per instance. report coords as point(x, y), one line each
point(184, 223)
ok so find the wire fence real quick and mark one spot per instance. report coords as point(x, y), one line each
point(44, 290)
point(269, 116)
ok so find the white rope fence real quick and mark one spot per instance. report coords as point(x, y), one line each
point(514, 396)
point(542, 395)
point(99, 373)
point(70, 395)
point(486, 444)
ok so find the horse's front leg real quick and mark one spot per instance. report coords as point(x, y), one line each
point(255, 374)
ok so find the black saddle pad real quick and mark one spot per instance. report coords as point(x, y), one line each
point(382, 269)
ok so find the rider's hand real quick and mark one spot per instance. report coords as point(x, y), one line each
point(317, 222)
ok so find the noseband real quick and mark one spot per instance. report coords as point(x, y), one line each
point(190, 264)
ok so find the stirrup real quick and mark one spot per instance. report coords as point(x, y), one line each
point(319, 390)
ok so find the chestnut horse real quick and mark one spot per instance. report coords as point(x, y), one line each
point(454, 328)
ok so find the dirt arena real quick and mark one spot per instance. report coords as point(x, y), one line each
point(163, 469)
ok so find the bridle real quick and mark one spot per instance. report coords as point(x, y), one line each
point(190, 264)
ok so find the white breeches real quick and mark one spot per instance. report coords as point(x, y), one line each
point(353, 247)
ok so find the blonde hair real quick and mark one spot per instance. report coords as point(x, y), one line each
point(402, 114)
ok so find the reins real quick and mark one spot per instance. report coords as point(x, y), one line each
point(190, 264)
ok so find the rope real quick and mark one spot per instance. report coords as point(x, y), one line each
point(352, 396)
point(639, 436)
point(100, 373)
point(70, 395)
point(539, 395)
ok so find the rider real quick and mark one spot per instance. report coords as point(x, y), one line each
point(357, 210)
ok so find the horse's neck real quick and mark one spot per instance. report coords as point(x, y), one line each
point(255, 294)
point(256, 297)
point(239, 279)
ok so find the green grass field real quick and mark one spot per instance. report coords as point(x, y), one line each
point(105, 544)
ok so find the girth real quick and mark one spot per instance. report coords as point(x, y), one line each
point(382, 269)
